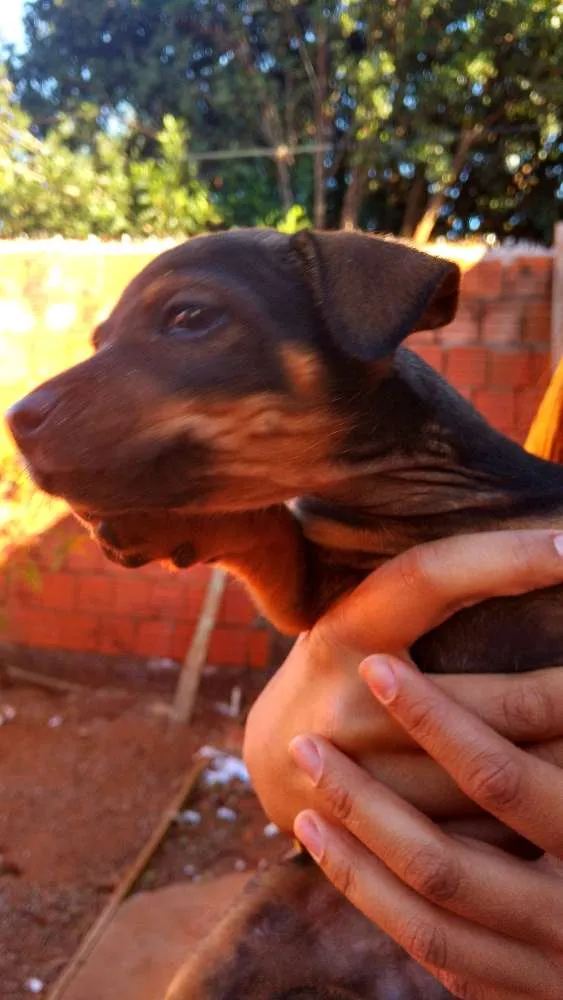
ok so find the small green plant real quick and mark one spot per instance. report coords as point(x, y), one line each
point(25, 514)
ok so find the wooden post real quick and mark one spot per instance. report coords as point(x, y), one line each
point(557, 298)
point(194, 661)
point(126, 884)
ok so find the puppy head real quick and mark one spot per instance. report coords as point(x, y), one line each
point(220, 381)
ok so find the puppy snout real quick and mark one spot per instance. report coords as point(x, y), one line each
point(27, 417)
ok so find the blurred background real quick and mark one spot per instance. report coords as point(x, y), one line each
point(427, 118)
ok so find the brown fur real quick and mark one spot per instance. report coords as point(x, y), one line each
point(249, 404)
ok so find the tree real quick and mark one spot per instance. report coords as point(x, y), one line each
point(78, 180)
point(169, 199)
point(440, 116)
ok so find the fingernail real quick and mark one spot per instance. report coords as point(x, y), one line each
point(306, 755)
point(309, 833)
point(558, 542)
point(378, 672)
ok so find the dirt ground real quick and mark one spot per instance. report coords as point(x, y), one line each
point(84, 777)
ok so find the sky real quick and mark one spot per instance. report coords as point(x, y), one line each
point(11, 29)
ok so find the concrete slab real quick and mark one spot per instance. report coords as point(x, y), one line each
point(150, 937)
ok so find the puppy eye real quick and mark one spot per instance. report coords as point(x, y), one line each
point(195, 321)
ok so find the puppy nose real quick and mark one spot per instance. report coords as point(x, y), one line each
point(27, 417)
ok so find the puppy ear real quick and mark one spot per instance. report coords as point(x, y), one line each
point(373, 292)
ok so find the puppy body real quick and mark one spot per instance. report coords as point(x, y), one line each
point(249, 404)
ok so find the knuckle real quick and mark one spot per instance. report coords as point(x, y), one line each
point(524, 554)
point(433, 875)
point(340, 801)
point(426, 942)
point(422, 717)
point(415, 567)
point(343, 876)
point(527, 710)
point(495, 781)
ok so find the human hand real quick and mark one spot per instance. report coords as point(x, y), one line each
point(318, 689)
point(484, 923)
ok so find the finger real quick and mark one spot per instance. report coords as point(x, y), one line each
point(551, 751)
point(412, 594)
point(486, 833)
point(417, 778)
point(523, 707)
point(470, 989)
point(526, 708)
point(524, 792)
point(432, 937)
point(484, 886)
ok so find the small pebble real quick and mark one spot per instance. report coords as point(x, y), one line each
point(34, 985)
point(55, 721)
point(240, 865)
point(271, 830)
point(162, 663)
point(190, 871)
point(190, 816)
point(227, 814)
point(8, 712)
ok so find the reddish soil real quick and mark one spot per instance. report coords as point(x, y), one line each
point(84, 777)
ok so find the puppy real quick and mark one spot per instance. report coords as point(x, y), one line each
point(249, 404)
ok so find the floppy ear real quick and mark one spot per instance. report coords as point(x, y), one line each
point(373, 291)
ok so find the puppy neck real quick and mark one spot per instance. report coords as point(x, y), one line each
point(420, 463)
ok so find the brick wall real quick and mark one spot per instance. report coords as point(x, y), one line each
point(497, 353)
point(497, 350)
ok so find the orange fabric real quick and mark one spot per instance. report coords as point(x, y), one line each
point(545, 437)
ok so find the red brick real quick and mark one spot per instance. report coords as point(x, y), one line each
point(117, 634)
point(197, 576)
point(237, 607)
point(96, 592)
point(483, 281)
point(259, 648)
point(527, 403)
point(52, 590)
point(59, 591)
point(153, 638)
point(502, 323)
point(433, 356)
point(467, 366)
point(541, 367)
point(529, 276)
point(466, 392)
point(464, 329)
point(134, 594)
point(79, 630)
point(35, 627)
point(84, 554)
point(228, 647)
point(497, 406)
point(180, 641)
point(421, 338)
point(175, 598)
point(511, 369)
point(537, 322)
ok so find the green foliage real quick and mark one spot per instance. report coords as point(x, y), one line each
point(169, 198)
point(439, 114)
point(294, 220)
point(80, 180)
